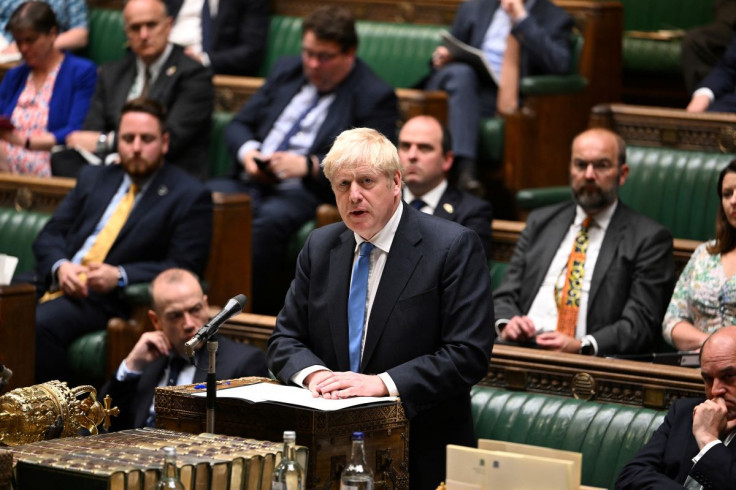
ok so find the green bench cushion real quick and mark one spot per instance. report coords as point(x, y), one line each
point(398, 53)
point(652, 56)
point(652, 15)
point(19, 230)
point(685, 181)
point(607, 435)
point(220, 160)
point(107, 41)
point(87, 357)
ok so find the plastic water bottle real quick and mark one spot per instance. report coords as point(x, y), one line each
point(170, 476)
point(289, 474)
point(357, 475)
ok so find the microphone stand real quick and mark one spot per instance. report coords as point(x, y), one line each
point(211, 386)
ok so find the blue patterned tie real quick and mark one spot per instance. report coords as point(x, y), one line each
point(356, 304)
point(284, 145)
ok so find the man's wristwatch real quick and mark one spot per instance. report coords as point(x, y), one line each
point(121, 279)
point(101, 143)
point(586, 347)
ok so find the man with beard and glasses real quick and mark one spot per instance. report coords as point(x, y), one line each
point(121, 224)
point(589, 275)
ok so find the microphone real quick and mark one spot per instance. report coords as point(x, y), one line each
point(234, 305)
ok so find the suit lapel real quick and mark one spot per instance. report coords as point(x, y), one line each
point(124, 78)
point(161, 87)
point(547, 242)
point(147, 389)
point(341, 261)
point(614, 233)
point(447, 205)
point(403, 258)
point(483, 22)
point(336, 113)
point(154, 193)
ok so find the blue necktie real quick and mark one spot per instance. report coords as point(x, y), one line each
point(206, 20)
point(356, 304)
point(284, 145)
point(417, 204)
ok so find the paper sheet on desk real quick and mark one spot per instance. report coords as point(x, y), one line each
point(293, 395)
point(8, 264)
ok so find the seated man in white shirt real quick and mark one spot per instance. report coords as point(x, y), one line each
point(596, 289)
point(178, 309)
point(425, 151)
point(693, 447)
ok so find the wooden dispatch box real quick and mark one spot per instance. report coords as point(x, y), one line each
point(326, 434)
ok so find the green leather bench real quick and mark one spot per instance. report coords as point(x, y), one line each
point(607, 434)
point(19, 229)
point(685, 200)
point(653, 65)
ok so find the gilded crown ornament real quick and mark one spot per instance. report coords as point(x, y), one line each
point(51, 410)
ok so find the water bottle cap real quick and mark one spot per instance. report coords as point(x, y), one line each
point(358, 436)
point(289, 434)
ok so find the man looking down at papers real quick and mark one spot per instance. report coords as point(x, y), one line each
point(391, 301)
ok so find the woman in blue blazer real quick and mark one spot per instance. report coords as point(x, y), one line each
point(45, 98)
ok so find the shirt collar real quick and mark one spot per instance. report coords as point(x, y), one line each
point(600, 220)
point(431, 198)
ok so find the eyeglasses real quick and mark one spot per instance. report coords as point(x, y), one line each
point(599, 166)
point(323, 57)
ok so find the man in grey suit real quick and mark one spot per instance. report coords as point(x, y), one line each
point(627, 274)
point(412, 318)
point(159, 70)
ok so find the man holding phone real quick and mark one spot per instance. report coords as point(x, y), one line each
point(282, 133)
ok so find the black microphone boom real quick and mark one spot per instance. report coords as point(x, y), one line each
point(234, 305)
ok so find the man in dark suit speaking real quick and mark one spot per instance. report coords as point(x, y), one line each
point(121, 224)
point(589, 275)
point(425, 151)
point(694, 448)
point(389, 301)
point(178, 310)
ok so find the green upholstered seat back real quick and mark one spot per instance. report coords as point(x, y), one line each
point(18, 230)
point(496, 270)
point(651, 15)
point(398, 53)
point(87, 357)
point(220, 160)
point(107, 41)
point(676, 188)
point(607, 434)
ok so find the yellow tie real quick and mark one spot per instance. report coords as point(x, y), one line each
point(106, 237)
point(507, 99)
point(569, 304)
point(98, 251)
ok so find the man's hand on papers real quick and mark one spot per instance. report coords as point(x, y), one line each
point(337, 385)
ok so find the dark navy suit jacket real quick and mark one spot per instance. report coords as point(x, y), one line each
point(467, 210)
point(134, 396)
point(665, 462)
point(430, 327)
point(362, 100)
point(170, 225)
point(239, 34)
point(544, 35)
point(722, 81)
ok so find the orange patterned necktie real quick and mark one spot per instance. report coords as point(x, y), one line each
point(568, 303)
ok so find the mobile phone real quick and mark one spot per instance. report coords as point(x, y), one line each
point(263, 165)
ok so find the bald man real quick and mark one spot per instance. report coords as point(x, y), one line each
point(613, 298)
point(693, 447)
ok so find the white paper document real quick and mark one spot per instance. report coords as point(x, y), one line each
point(293, 395)
point(8, 264)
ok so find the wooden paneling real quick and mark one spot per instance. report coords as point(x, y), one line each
point(18, 333)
